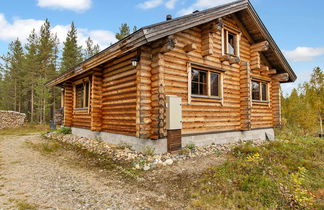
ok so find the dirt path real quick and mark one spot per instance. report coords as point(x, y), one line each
point(28, 177)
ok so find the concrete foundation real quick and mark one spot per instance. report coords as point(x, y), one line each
point(161, 144)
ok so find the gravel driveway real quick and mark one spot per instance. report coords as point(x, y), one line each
point(28, 177)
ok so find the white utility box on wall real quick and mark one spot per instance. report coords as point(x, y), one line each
point(174, 113)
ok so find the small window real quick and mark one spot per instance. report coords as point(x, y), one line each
point(82, 92)
point(230, 43)
point(259, 91)
point(205, 83)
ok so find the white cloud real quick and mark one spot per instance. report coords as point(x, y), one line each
point(203, 4)
point(21, 28)
point(150, 4)
point(170, 4)
point(304, 53)
point(75, 5)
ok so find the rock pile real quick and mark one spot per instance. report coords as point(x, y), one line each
point(11, 119)
point(142, 161)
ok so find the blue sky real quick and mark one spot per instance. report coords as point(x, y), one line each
point(296, 26)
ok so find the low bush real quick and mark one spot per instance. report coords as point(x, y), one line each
point(64, 130)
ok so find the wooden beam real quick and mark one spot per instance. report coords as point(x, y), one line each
point(230, 59)
point(234, 59)
point(284, 77)
point(169, 44)
point(190, 47)
point(272, 71)
point(259, 47)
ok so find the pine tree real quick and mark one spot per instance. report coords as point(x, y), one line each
point(91, 49)
point(14, 75)
point(72, 53)
point(32, 66)
point(123, 31)
point(47, 55)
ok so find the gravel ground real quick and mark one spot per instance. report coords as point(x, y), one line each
point(27, 176)
point(64, 180)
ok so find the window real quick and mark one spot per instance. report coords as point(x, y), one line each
point(205, 83)
point(82, 94)
point(230, 43)
point(259, 91)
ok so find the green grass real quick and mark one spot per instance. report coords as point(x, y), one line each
point(22, 205)
point(280, 174)
point(25, 130)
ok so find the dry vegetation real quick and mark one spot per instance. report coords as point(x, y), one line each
point(281, 174)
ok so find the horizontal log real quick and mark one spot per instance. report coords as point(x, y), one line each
point(261, 46)
point(190, 47)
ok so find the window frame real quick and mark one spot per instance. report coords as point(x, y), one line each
point(237, 37)
point(261, 83)
point(209, 70)
point(85, 81)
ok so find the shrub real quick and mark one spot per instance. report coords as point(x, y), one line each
point(148, 150)
point(65, 130)
point(191, 146)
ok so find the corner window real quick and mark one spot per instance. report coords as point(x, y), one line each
point(259, 91)
point(82, 94)
point(205, 83)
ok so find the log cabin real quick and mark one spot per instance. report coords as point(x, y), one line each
point(212, 76)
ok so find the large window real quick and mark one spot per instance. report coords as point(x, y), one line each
point(259, 91)
point(82, 94)
point(205, 83)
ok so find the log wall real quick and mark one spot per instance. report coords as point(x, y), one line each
point(131, 101)
point(119, 96)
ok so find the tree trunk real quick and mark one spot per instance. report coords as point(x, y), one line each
point(32, 104)
point(321, 124)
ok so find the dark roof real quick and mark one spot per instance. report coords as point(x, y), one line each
point(244, 10)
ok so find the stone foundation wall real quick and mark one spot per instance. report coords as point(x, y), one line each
point(11, 119)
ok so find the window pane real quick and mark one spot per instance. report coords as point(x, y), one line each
point(194, 75)
point(202, 89)
point(214, 84)
point(79, 91)
point(87, 92)
point(255, 90)
point(194, 88)
point(231, 44)
point(198, 82)
point(264, 92)
point(202, 76)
